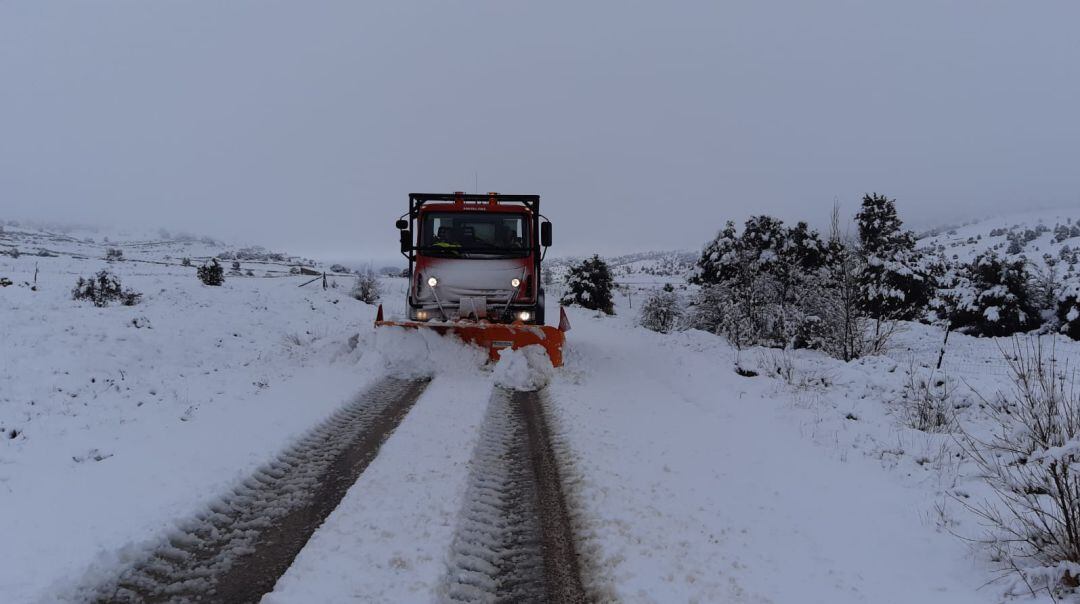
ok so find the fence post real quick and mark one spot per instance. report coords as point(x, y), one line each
point(941, 355)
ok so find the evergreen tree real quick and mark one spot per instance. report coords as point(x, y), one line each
point(893, 287)
point(1068, 310)
point(719, 261)
point(992, 298)
point(589, 285)
point(212, 273)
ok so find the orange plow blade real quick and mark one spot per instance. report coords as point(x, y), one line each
point(495, 336)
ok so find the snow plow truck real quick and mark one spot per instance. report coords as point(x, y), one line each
point(474, 271)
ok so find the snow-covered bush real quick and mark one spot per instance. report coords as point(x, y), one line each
point(104, 288)
point(764, 273)
point(113, 253)
point(212, 273)
point(783, 287)
point(1068, 310)
point(707, 309)
point(589, 285)
point(837, 323)
point(185, 262)
point(992, 298)
point(256, 253)
point(235, 269)
point(12, 251)
point(339, 268)
point(662, 310)
point(1032, 462)
point(366, 289)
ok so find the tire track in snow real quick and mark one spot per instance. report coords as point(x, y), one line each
point(515, 542)
point(236, 549)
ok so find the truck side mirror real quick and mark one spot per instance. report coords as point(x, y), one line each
point(406, 241)
point(402, 225)
point(545, 234)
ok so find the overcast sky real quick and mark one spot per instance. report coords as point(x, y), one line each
point(644, 125)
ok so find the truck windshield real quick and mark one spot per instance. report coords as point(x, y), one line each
point(473, 234)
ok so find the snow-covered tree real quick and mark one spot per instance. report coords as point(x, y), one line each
point(720, 260)
point(589, 285)
point(1044, 286)
point(709, 308)
point(1068, 310)
point(662, 310)
point(212, 273)
point(992, 298)
point(755, 284)
point(893, 286)
point(737, 266)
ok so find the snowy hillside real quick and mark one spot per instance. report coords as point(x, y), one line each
point(1035, 236)
point(643, 266)
point(161, 247)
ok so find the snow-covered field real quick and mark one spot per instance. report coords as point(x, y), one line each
point(119, 420)
point(689, 481)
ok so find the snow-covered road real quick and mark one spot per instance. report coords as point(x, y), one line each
point(389, 540)
point(700, 485)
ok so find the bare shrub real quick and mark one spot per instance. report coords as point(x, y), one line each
point(293, 339)
point(1029, 463)
point(927, 400)
point(366, 288)
point(114, 253)
point(781, 363)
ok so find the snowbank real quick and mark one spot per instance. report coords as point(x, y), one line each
point(418, 353)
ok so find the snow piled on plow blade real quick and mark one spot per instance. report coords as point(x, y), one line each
point(526, 369)
point(420, 353)
point(494, 338)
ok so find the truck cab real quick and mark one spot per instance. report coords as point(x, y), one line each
point(475, 257)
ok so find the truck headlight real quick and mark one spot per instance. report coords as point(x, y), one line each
point(421, 315)
point(515, 282)
point(524, 315)
point(432, 281)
